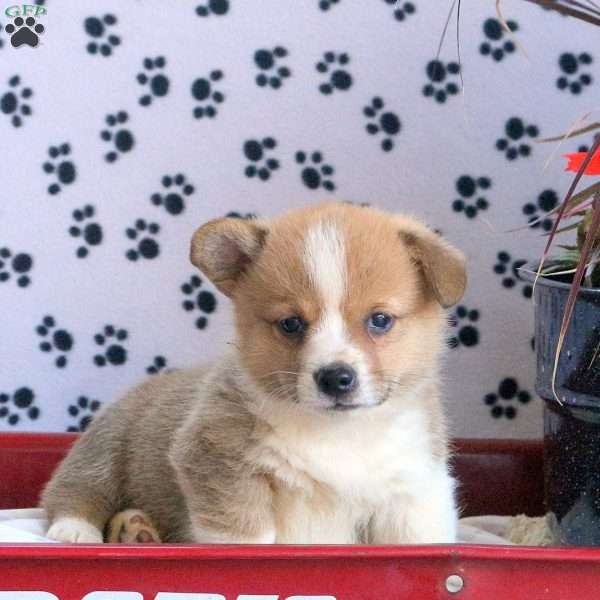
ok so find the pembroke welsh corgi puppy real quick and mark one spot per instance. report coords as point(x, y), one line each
point(324, 423)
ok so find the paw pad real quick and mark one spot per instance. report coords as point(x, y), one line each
point(100, 30)
point(122, 139)
point(508, 391)
point(82, 413)
point(58, 341)
point(468, 187)
point(89, 232)
point(13, 102)
point(208, 97)
point(198, 300)
point(24, 31)
point(111, 340)
point(382, 123)
point(442, 80)
point(176, 189)
point(516, 131)
point(261, 165)
point(464, 321)
point(143, 234)
point(153, 79)
point(495, 44)
point(315, 174)
point(272, 73)
point(334, 66)
point(571, 65)
point(61, 166)
point(15, 265)
point(536, 211)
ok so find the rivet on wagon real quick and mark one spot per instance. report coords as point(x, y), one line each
point(454, 583)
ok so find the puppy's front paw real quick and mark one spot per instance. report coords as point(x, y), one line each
point(72, 530)
point(132, 527)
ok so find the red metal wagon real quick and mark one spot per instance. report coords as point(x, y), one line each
point(497, 477)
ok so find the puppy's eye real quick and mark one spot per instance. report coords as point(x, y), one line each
point(291, 326)
point(379, 323)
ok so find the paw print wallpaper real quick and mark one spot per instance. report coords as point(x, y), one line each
point(125, 126)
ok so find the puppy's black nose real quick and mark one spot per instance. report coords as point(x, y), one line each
point(336, 379)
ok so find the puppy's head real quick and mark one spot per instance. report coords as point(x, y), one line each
point(337, 307)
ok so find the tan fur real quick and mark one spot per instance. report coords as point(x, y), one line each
point(234, 452)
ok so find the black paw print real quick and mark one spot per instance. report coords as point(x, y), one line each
point(339, 78)
point(24, 31)
point(20, 404)
point(89, 233)
point(159, 364)
point(274, 74)
point(494, 32)
point(509, 270)
point(83, 412)
point(143, 233)
point(237, 215)
point(198, 300)
point(385, 123)
point(176, 190)
point(467, 334)
point(12, 102)
point(325, 5)
point(113, 353)
point(402, 10)
point(262, 166)
point(569, 64)
point(437, 72)
point(55, 340)
point(99, 29)
point(60, 166)
point(155, 81)
point(19, 265)
point(546, 201)
point(314, 172)
point(203, 90)
point(508, 391)
point(122, 139)
point(516, 130)
point(213, 7)
point(468, 187)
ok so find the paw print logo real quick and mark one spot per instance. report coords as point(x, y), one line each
point(204, 91)
point(514, 144)
point(143, 234)
point(99, 29)
point(272, 73)
point(315, 172)
point(508, 391)
point(119, 137)
point(536, 211)
point(261, 165)
point(402, 10)
point(159, 364)
point(198, 300)
point(334, 66)
point(24, 31)
point(213, 7)
point(153, 79)
point(60, 165)
point(82, 412)
point(572, 79)
point(386, 124)
point(85, 230)
point(467, 333)
point(12, 103)
point(325, 5)
point(495, 45)
point(18, 266)
point(54, 340)
point(470, 202)
point(508, 269)
point(438, 87)
point(111, 339)
point(20, 404)
point(176, 189)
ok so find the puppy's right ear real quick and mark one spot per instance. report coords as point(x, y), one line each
point(224, 248)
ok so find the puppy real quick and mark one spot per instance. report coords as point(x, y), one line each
point(324, 424)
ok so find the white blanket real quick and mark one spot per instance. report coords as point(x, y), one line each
point(29, 525)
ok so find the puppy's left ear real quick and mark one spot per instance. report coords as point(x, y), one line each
point(224, 249)
point(443, 266)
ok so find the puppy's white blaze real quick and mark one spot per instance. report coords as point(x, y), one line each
point(325, 263)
